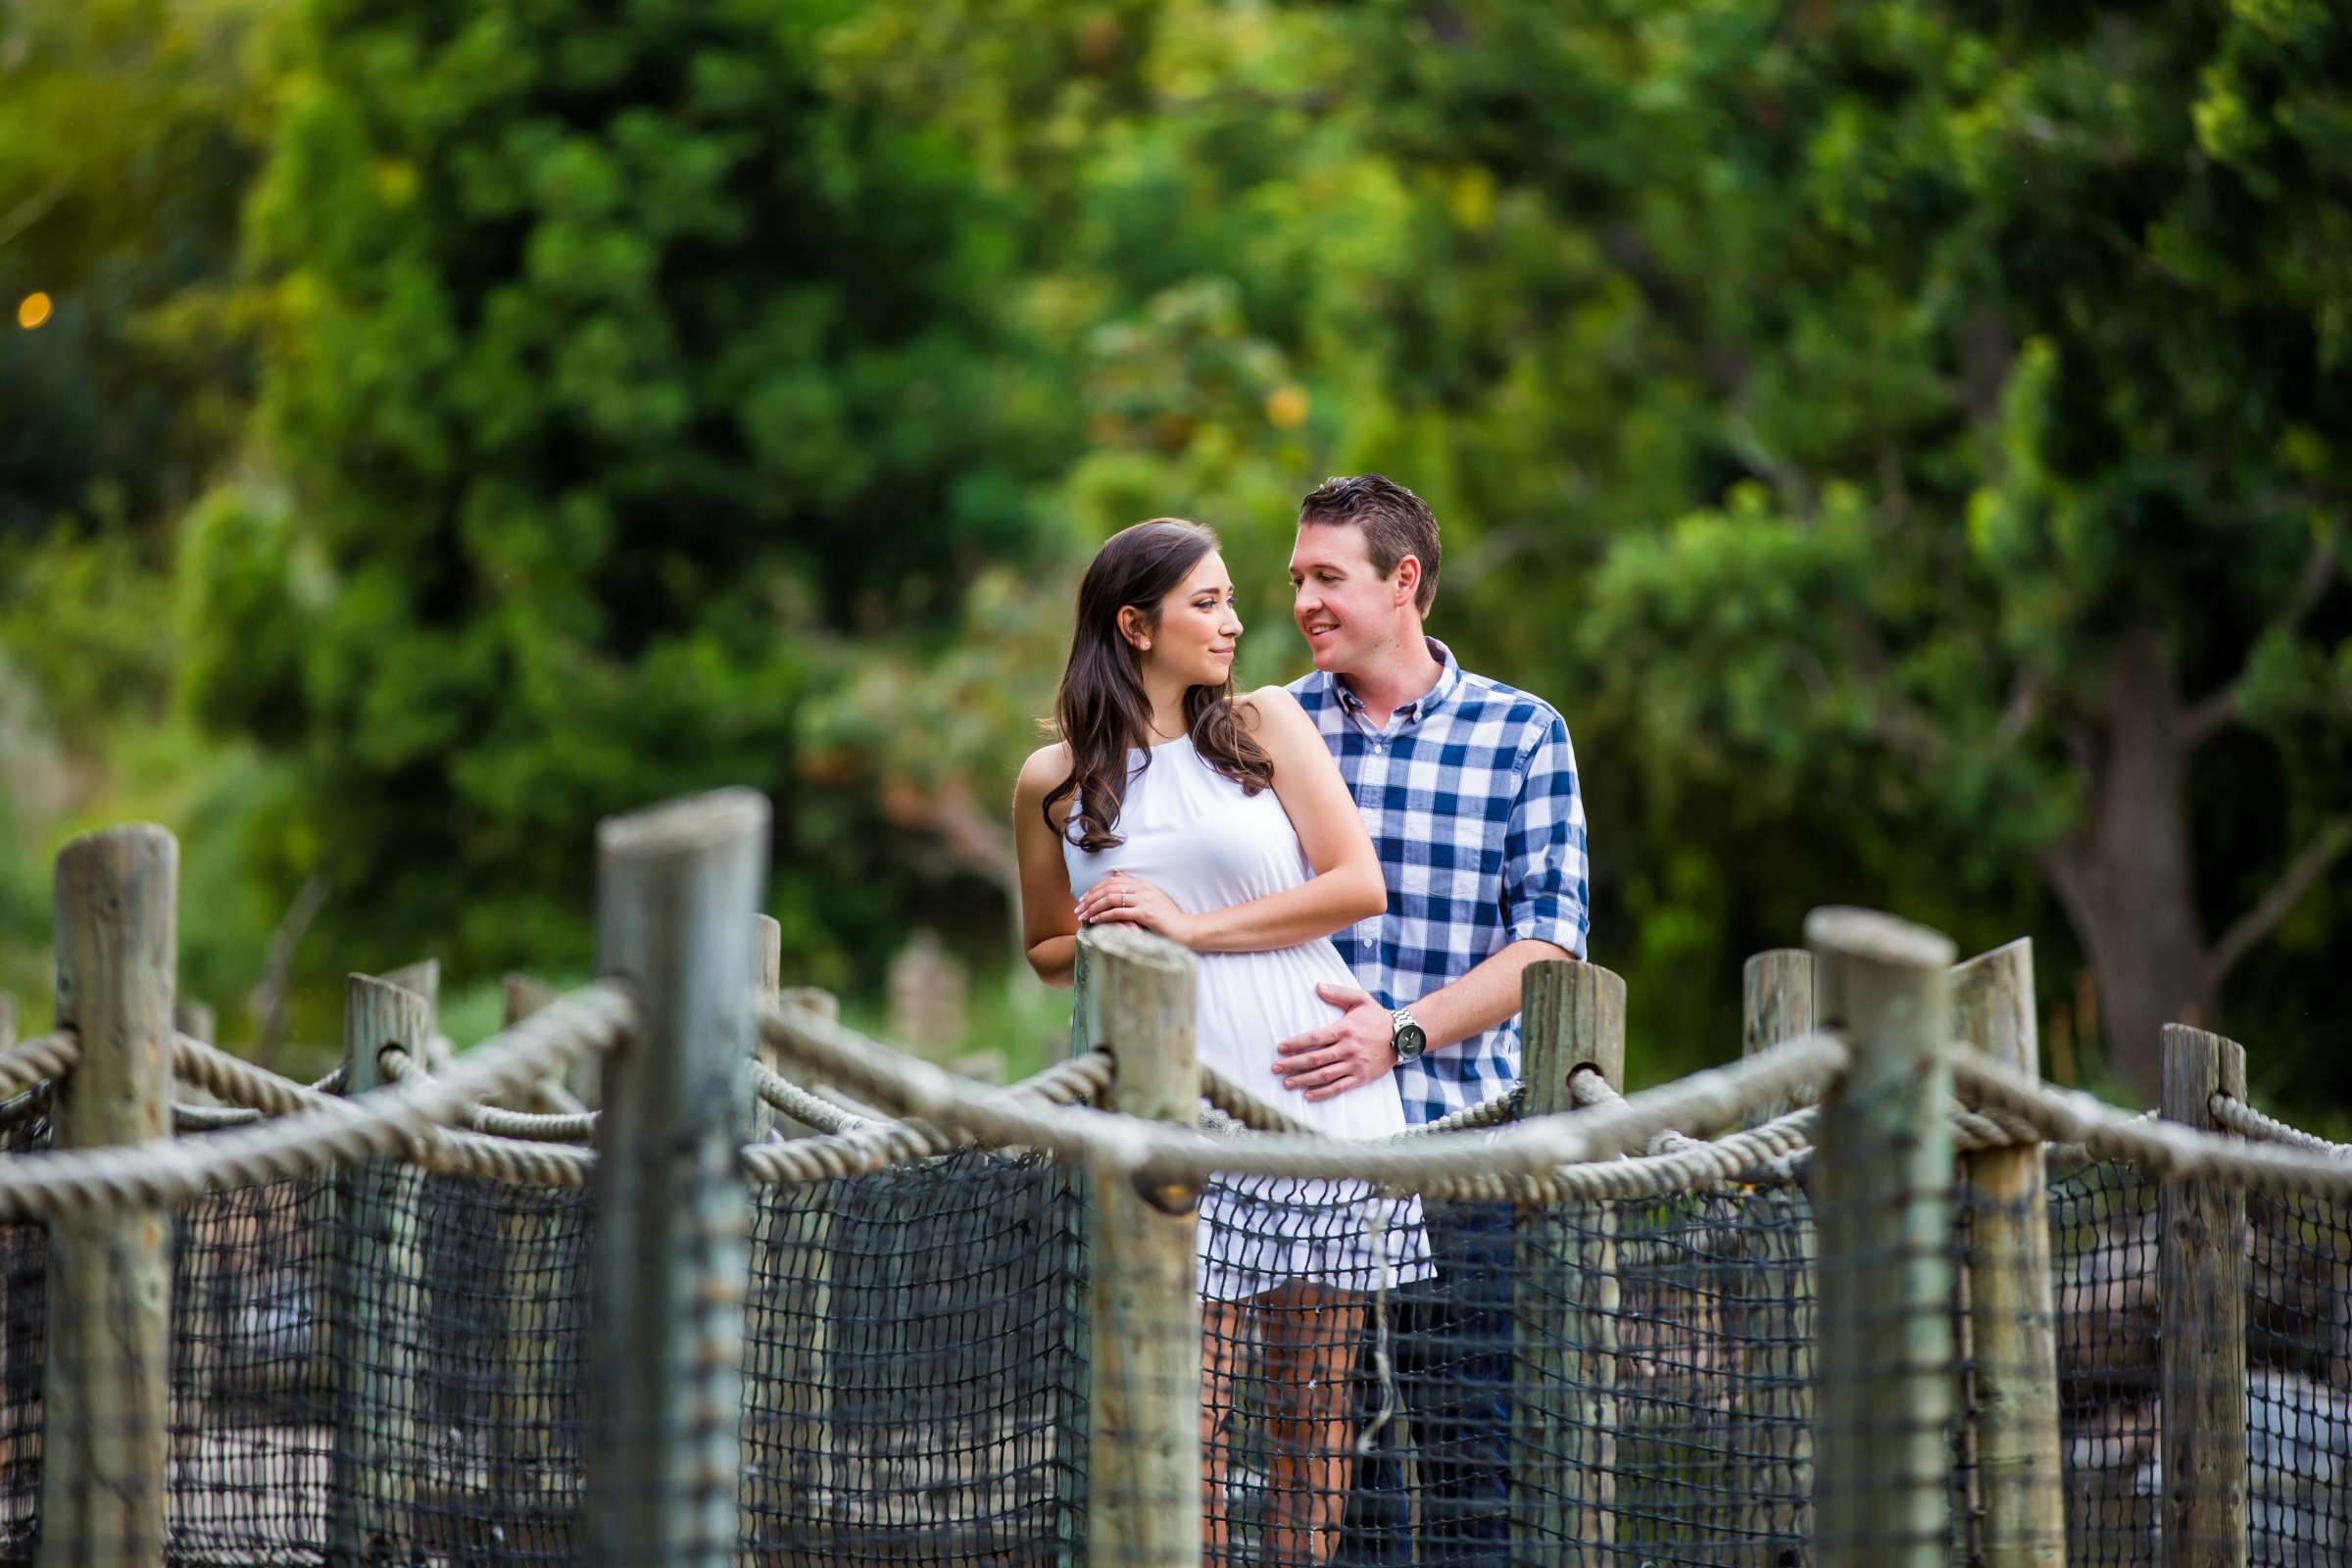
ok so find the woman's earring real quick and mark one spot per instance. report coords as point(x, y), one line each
point(1147, 647)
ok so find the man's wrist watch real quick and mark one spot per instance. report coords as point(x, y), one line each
point(1405, 1036)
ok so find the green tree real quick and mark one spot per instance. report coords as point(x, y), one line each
point(2000, 343)
point(128, 132)
point(614, 362)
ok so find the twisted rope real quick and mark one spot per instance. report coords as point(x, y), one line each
point(1244, 1110)
point(1236, 1109)
point(191, 1119)
point(399, 1120)
point(1160, 1153)
point(877, 1146)
point(2161, 1148)
point(1493, 1111)
point(1759, 1157)
point(239, 1081)
point(782, 1093)
point(2247, 1122)
point(526, 1126)
point(43, 1057)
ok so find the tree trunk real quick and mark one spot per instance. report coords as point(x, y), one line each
point(2126, 874)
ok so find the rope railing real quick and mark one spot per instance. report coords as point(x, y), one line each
point(40, 1059)
point(492, 1120)
point(241, 1083)
point(2166, 1151)
point(1244, 1110)
point(1241, 1110)
point(326, 1132)
point(874, 1145)
point(1161, 1152)
point(782, 1093)
point(2247, 1122)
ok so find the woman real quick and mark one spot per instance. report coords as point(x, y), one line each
point(1222, 823)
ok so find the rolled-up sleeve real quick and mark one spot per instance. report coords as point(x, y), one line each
point(1544, 873)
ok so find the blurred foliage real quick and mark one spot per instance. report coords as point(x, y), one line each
point(1897, 436)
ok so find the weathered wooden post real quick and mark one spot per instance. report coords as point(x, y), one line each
point(777, 1428)
point(1144, 1463)
point(194, 1019)
point(1564, 1278)
point(1776, 1006)
point(677, 886)
point(374, 1306)
point(425, 978)
point(2013, 1323)
point(104, 1450)
point(768, 981)
point(1082, 987)
point(1882, 1194)
point(2201, 1276)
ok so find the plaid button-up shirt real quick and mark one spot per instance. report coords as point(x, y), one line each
point(1470, 796)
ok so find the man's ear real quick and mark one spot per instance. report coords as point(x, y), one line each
point(1408, 580)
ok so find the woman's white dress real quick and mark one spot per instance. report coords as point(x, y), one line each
point(1197, 837)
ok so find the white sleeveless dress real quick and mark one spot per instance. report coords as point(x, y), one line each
point(1197, 837)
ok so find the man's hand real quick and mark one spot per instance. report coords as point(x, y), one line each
point(1350, 1051)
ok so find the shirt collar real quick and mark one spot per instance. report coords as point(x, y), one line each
point(1449, 680)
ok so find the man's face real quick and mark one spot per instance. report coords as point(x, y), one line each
point(1346, 610)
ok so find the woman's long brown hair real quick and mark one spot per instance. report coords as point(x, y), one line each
point(1102, 712)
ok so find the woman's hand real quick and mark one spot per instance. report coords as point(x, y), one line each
point(1122, 899)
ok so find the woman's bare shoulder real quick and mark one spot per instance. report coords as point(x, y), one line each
point(1046, 767)
point(1271, 708)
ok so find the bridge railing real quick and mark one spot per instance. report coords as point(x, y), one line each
point(1872, 1294)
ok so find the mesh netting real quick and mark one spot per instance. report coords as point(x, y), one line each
point(23, 1341)
point(388, 1364)
point(2298, 1383)
point(2103, 1228)
point(913, 1386)
point(1631, 1378)
point(375, 1360)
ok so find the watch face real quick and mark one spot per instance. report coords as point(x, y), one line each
point(1411, 1042)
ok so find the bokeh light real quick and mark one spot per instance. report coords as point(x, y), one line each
point(34, 309)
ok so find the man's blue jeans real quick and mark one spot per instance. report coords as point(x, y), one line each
point(1449, 1350)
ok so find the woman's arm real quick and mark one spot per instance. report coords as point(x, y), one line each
point(1049, 928)
point(1346, 886)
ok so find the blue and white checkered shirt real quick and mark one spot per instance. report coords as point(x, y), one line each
point(1470, 796)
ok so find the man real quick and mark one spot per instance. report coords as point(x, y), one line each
point(1468, 788)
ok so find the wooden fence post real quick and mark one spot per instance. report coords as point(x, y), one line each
point(767, 982)
point(2012, 1321)
point(375, 1303)
point(1776, 1006)
point(106, 1441)
point(1144, 1463)
point(1082, 988)
point(1564, 1445)
point(676, 889)
point(1883, 1180)
point(424, 977)
point(2201, 1273)
point(773, 1415)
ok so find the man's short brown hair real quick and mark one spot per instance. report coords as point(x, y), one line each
point(1397, 524)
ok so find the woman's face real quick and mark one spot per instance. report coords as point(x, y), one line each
point(1198, 628)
